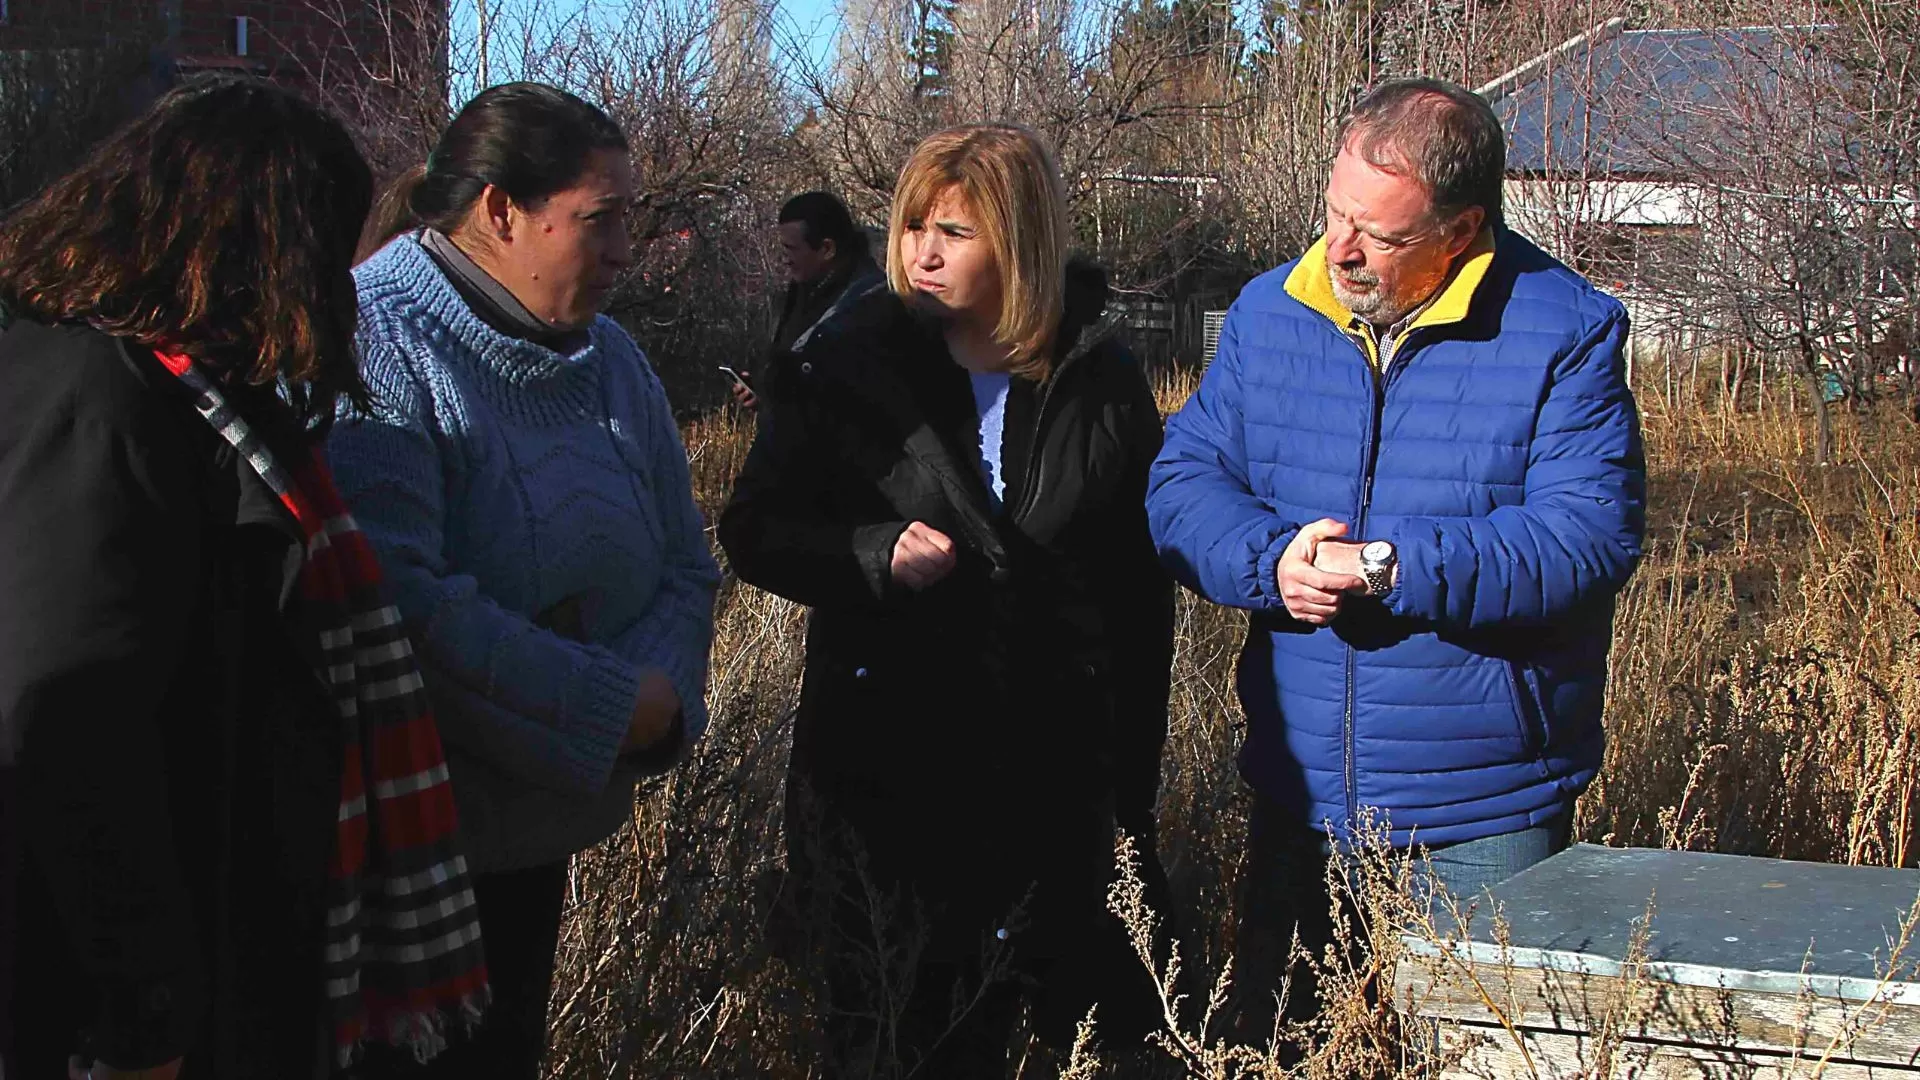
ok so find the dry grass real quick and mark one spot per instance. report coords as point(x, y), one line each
point(1765, 693)
point(1764, 699)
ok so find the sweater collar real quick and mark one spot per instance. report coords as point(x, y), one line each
point(511, 360)
point(522, 378)
point(492, 301)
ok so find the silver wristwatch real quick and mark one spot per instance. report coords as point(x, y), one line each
point(1377, 561)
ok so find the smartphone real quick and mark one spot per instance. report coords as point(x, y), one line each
point(737, 378)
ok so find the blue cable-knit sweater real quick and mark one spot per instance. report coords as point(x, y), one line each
point(502, 483)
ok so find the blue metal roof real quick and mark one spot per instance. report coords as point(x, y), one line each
point(1638, 102)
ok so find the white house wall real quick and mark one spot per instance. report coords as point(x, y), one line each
point(1543, 204)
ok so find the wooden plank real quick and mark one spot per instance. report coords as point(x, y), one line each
point(1493, 1054)
point(1579, 1003)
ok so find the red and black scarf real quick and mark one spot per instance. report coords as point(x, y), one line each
point(403, 953)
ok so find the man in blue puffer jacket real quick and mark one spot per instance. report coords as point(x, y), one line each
point(1416, 461)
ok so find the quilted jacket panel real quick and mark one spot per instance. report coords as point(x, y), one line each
point(1506, 466)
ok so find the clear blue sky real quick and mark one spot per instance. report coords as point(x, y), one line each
point(814, 22)
point(809, 24)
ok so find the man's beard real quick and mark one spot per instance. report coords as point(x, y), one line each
point(1370, 303)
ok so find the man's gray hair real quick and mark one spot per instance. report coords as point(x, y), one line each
point(1442, 134)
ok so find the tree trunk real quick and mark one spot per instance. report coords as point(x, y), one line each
point(1823, 454)
point(484, 30)
point(1816, 386)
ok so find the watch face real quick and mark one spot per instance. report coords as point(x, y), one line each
point(1377, 552)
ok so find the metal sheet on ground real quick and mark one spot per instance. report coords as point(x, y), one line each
point(1725, 921)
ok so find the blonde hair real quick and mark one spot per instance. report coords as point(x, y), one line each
point(1012, 184)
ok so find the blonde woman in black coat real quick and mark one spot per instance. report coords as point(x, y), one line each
point(953, 481)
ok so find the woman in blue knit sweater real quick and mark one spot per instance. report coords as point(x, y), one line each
point(524, 485)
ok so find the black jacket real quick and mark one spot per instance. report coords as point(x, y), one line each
point(169, 762)
point(1030, 686)
point(806, 306)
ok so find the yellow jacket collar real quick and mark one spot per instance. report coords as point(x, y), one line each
point(1310, 284)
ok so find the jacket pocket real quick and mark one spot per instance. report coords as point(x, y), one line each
point(1068, 709)
point(849, 700)
point(1528, 711)
point(875, 713)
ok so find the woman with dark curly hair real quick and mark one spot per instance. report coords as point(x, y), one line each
point(227, 847)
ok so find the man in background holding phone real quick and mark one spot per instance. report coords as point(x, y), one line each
point(828, 265)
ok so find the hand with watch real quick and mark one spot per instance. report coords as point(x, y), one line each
point(1318, 571)
point(1380, 565)
point(1375, 563)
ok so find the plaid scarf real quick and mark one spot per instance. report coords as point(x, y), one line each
point(402, 937)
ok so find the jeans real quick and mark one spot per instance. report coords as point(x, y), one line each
point(1471, 867)
point(1284, 890)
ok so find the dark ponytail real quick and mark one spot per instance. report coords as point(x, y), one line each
point(392, 214)
point(528, 139)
